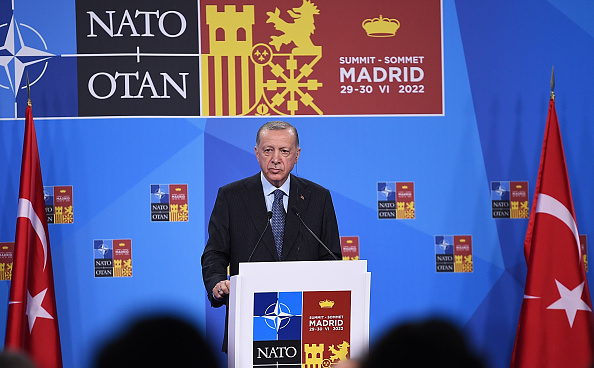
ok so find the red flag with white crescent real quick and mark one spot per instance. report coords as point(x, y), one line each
point(32, 322)
point(556, 325)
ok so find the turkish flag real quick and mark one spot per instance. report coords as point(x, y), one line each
point(556, 326)
point(32, 323)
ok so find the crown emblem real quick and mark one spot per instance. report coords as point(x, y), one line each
point(122, 244)
point(178, 189)
point(381, 27)
point(326, 303)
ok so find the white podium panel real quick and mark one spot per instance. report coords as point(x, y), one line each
point(307, 314)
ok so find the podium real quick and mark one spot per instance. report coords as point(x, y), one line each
point(307, 314)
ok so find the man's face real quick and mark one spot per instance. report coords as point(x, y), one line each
point(277, 154)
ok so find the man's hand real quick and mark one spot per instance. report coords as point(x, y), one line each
point(221, 289)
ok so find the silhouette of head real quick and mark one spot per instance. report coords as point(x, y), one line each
point(157, 342)
point(429, 343)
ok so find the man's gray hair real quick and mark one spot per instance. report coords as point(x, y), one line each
point(277, 125)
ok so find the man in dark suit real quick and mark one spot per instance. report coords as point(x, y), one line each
point(253, 221)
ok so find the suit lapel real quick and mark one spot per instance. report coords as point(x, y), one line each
point(298, 197)
point(253, 196)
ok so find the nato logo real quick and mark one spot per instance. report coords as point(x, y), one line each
point(103, 254)
point(386, 191)
point(453, 253)
point(500, 204)
point(169, 202)
point(159, 202)
point(386, 200)
point(444, 244)
point(509, 199)
point(277, 316)
point(29, 54)
point(48, 196)
point(500, 191)
point(444, 253)
point(159, 193)
point(103, 249)
point(277, 329)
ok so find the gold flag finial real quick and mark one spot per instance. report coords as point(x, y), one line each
point(28, 91)
point(553, 84)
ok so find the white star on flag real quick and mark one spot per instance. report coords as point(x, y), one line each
point(34, 308)
point(571, 301)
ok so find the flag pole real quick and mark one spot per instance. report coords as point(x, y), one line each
point(32, 319)
point(28, 91)
point(553, 84)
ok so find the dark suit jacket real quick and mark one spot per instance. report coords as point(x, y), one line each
point(239, 217)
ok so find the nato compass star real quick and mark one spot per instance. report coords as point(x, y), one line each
point(15, 55)
point(277, 316)
point(160, 193)
point(103, 249)
point(501, 190)
point(444, 244)
point(386, 191)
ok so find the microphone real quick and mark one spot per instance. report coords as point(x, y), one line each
point(294, 209)
point(268, 217)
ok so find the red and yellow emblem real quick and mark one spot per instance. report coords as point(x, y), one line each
point(316, 57)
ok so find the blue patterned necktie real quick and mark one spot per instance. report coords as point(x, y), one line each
point(278, 220)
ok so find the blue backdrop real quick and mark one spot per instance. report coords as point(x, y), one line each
point(497, 61)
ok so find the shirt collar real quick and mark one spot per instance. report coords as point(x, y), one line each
point(269, 188)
